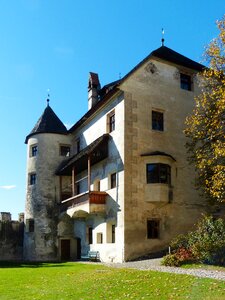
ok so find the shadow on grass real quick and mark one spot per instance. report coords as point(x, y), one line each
point(22, 264)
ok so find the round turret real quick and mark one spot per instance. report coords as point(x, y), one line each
point(46, 148)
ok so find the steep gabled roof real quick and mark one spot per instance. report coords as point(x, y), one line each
point(167, 54)
point(163, 53)
point(170, 55)
point(48, 123)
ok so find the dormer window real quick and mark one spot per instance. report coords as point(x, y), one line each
point(185, 82)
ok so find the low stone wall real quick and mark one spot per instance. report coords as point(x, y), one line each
point(11, 240)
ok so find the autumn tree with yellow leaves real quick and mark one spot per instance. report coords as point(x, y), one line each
point(206, 126)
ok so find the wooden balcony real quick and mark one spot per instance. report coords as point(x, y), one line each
point(89, 202)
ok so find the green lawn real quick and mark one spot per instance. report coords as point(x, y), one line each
point(93, 281)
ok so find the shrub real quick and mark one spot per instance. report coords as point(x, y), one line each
point(206, 244)
point(171, 260)
point(208, 241)
point(181, 241)
point(184, 255)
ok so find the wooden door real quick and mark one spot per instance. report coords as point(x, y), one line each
point(65, 249)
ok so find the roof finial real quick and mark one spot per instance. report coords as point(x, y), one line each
point(48, 97)
point(163, 40)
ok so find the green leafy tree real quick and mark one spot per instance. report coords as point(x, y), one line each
point(206, 126)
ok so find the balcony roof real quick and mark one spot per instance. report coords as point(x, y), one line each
point(97, 151)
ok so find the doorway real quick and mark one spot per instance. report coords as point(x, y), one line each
point(78, 248)
point(65, 249)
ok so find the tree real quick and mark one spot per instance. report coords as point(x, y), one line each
point(206, 126)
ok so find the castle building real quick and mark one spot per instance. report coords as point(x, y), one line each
point(117, 182)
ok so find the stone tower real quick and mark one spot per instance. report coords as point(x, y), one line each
point(46, 148)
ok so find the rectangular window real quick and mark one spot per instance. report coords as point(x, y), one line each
point(158, 173)
point(65, 151)
point(90, 235)
point(185, 82)
point(34, 150)
point(153, 229)
point(99, 238)
point(78, 188)
point(30, 225)
point(78, 145)
point(157, 120)
point(113, 180)
point(97, 186)
point(113, 233)
point(32, 180)
point(111, 121)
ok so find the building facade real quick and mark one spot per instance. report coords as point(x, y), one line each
point(117, 182)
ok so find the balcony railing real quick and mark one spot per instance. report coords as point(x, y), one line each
point(91, 198)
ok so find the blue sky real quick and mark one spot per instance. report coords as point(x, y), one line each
point(53, 44)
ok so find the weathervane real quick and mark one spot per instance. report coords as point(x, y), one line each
point(163, 40)
point(48, 97)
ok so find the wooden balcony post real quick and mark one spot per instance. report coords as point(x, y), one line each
point(89, 173)
point(73, 181)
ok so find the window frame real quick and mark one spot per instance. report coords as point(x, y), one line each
point(156, 175)
point(99, 238)
point(185, 82)
point(32, 178)
point(153, 229)
point(33, 150)
point(65, 150)
point(113, 180)
point(157, 120)
point(111, 121)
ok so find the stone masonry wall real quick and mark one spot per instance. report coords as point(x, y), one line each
point(11, 240)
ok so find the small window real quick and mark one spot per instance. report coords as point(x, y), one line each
point(90, 235)
point(99, 238)
point(113, 180)
point(185, 82)
point(158, 173)
point(97, 186)
point(65, 151)
point(34, 150)
point(30, 225)
point(153, 229)
point(32, 179)
point(78, 188)
point(78, 145)
point(111, 121)
point(113, 233)
point(157, 120)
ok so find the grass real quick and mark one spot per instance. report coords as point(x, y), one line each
point(203, 266)
point(94, 281)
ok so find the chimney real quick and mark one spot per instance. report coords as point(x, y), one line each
point(93, 89)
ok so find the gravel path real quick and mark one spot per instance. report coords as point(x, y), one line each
point(155, 265)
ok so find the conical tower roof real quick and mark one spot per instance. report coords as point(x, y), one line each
point(48, 123)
